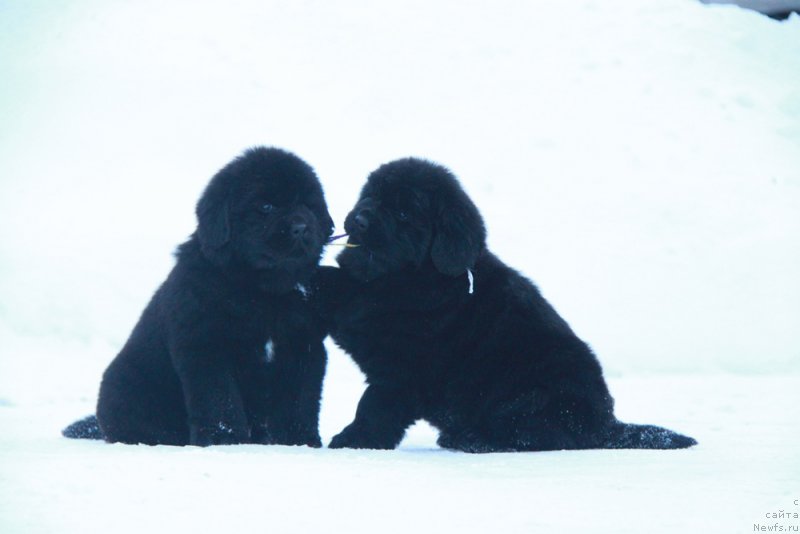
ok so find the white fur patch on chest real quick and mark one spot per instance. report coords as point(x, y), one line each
point(303, 291)
point(471, 282)
point(269, 351)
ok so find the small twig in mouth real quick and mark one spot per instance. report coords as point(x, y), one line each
point(335, 237)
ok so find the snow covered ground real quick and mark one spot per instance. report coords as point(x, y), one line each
point(745, 467)
point(639, 160)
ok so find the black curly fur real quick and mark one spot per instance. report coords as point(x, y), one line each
point(487, 361)
point(228, 349)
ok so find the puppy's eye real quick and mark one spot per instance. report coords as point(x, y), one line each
point(402, 215)
point(267, 208)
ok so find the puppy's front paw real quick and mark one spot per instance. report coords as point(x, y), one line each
point(312, 441)
point(266, 436)
point(464, 441)
point(343, 441)
point(354, 437)
point(217, 434)
point(309, 440)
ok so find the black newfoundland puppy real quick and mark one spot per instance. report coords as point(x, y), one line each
point(446, 332)
point(228, 350)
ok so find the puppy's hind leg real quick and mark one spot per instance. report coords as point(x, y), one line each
point(576, 423)
point(629, 436)
point(532, 421)
point(468, 441)
point(86, 428)
point(127, 414)
point(507, 425)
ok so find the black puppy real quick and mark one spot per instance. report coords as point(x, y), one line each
point(445, 332)
point(228, 350)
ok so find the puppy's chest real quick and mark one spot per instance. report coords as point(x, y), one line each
point(384, 338)
point(278, 328)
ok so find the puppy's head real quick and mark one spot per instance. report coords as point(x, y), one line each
point(264, 211)
point(412, 212)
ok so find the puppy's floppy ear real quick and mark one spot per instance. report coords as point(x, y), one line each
point(213, 224)
point(460, 234)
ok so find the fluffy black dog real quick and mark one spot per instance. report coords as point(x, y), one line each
point(229, 350)
point(446, 332)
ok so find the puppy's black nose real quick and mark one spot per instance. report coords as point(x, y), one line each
point(299, 229)
point(361, 221)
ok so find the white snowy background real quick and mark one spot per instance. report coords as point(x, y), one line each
point(639, 160)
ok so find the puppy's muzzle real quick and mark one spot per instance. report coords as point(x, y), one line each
point(358, 222)
point(299, 230)
point(361, 221)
